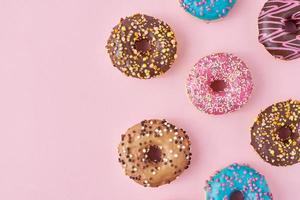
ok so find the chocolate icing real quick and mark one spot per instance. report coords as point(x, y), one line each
point(275, 133)
point(142, 46)
point(279, 28)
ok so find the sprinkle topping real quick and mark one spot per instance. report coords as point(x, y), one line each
point(152, 154)
point(219, 83)
point(237, 182)
point(275, 133)
point(141, 46)
point(208, 9)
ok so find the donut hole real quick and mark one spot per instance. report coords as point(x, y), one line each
point(153, 154)
point(285, 133)
point(291, 26)
point(236, 195)
point(143, 45)
point(218, 86)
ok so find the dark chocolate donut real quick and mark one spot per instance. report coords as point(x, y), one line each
point(275, 134)
point(279, 28)
point(142, 46)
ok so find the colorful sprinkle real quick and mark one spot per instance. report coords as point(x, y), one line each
point(208, 9)
point(142, 47)
point(275, 133)
point(238, 182)
point(219, 83)
point(154, 152)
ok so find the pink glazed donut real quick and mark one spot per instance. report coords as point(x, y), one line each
point(219, 83)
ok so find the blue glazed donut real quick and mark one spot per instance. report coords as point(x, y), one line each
point(238, 182)
point(208, 9)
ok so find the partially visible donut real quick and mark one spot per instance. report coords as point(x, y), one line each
point(275, 134)
point(154, 152)
point(208, 10)
point(279, 28)
point(219, 83)
point(142, 46)
point(238, 182)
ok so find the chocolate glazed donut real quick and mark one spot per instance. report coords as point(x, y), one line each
point(279, 28)
point(275, 135)
point(142, 46)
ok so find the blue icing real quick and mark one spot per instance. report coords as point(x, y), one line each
point(208, 9)
point(238, 178)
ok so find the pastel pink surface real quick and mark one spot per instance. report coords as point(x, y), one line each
point(63, 106)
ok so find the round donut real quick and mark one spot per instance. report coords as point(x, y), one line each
point(142, 46)
point(279, 28)
point(154, 152)
point(238, 182)
point(275, 134)
point(219, 83)
point(208, 10)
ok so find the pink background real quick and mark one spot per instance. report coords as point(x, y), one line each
point(63, 106)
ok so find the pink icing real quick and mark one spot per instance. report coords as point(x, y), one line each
point(220, 66)
point(272, 34)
